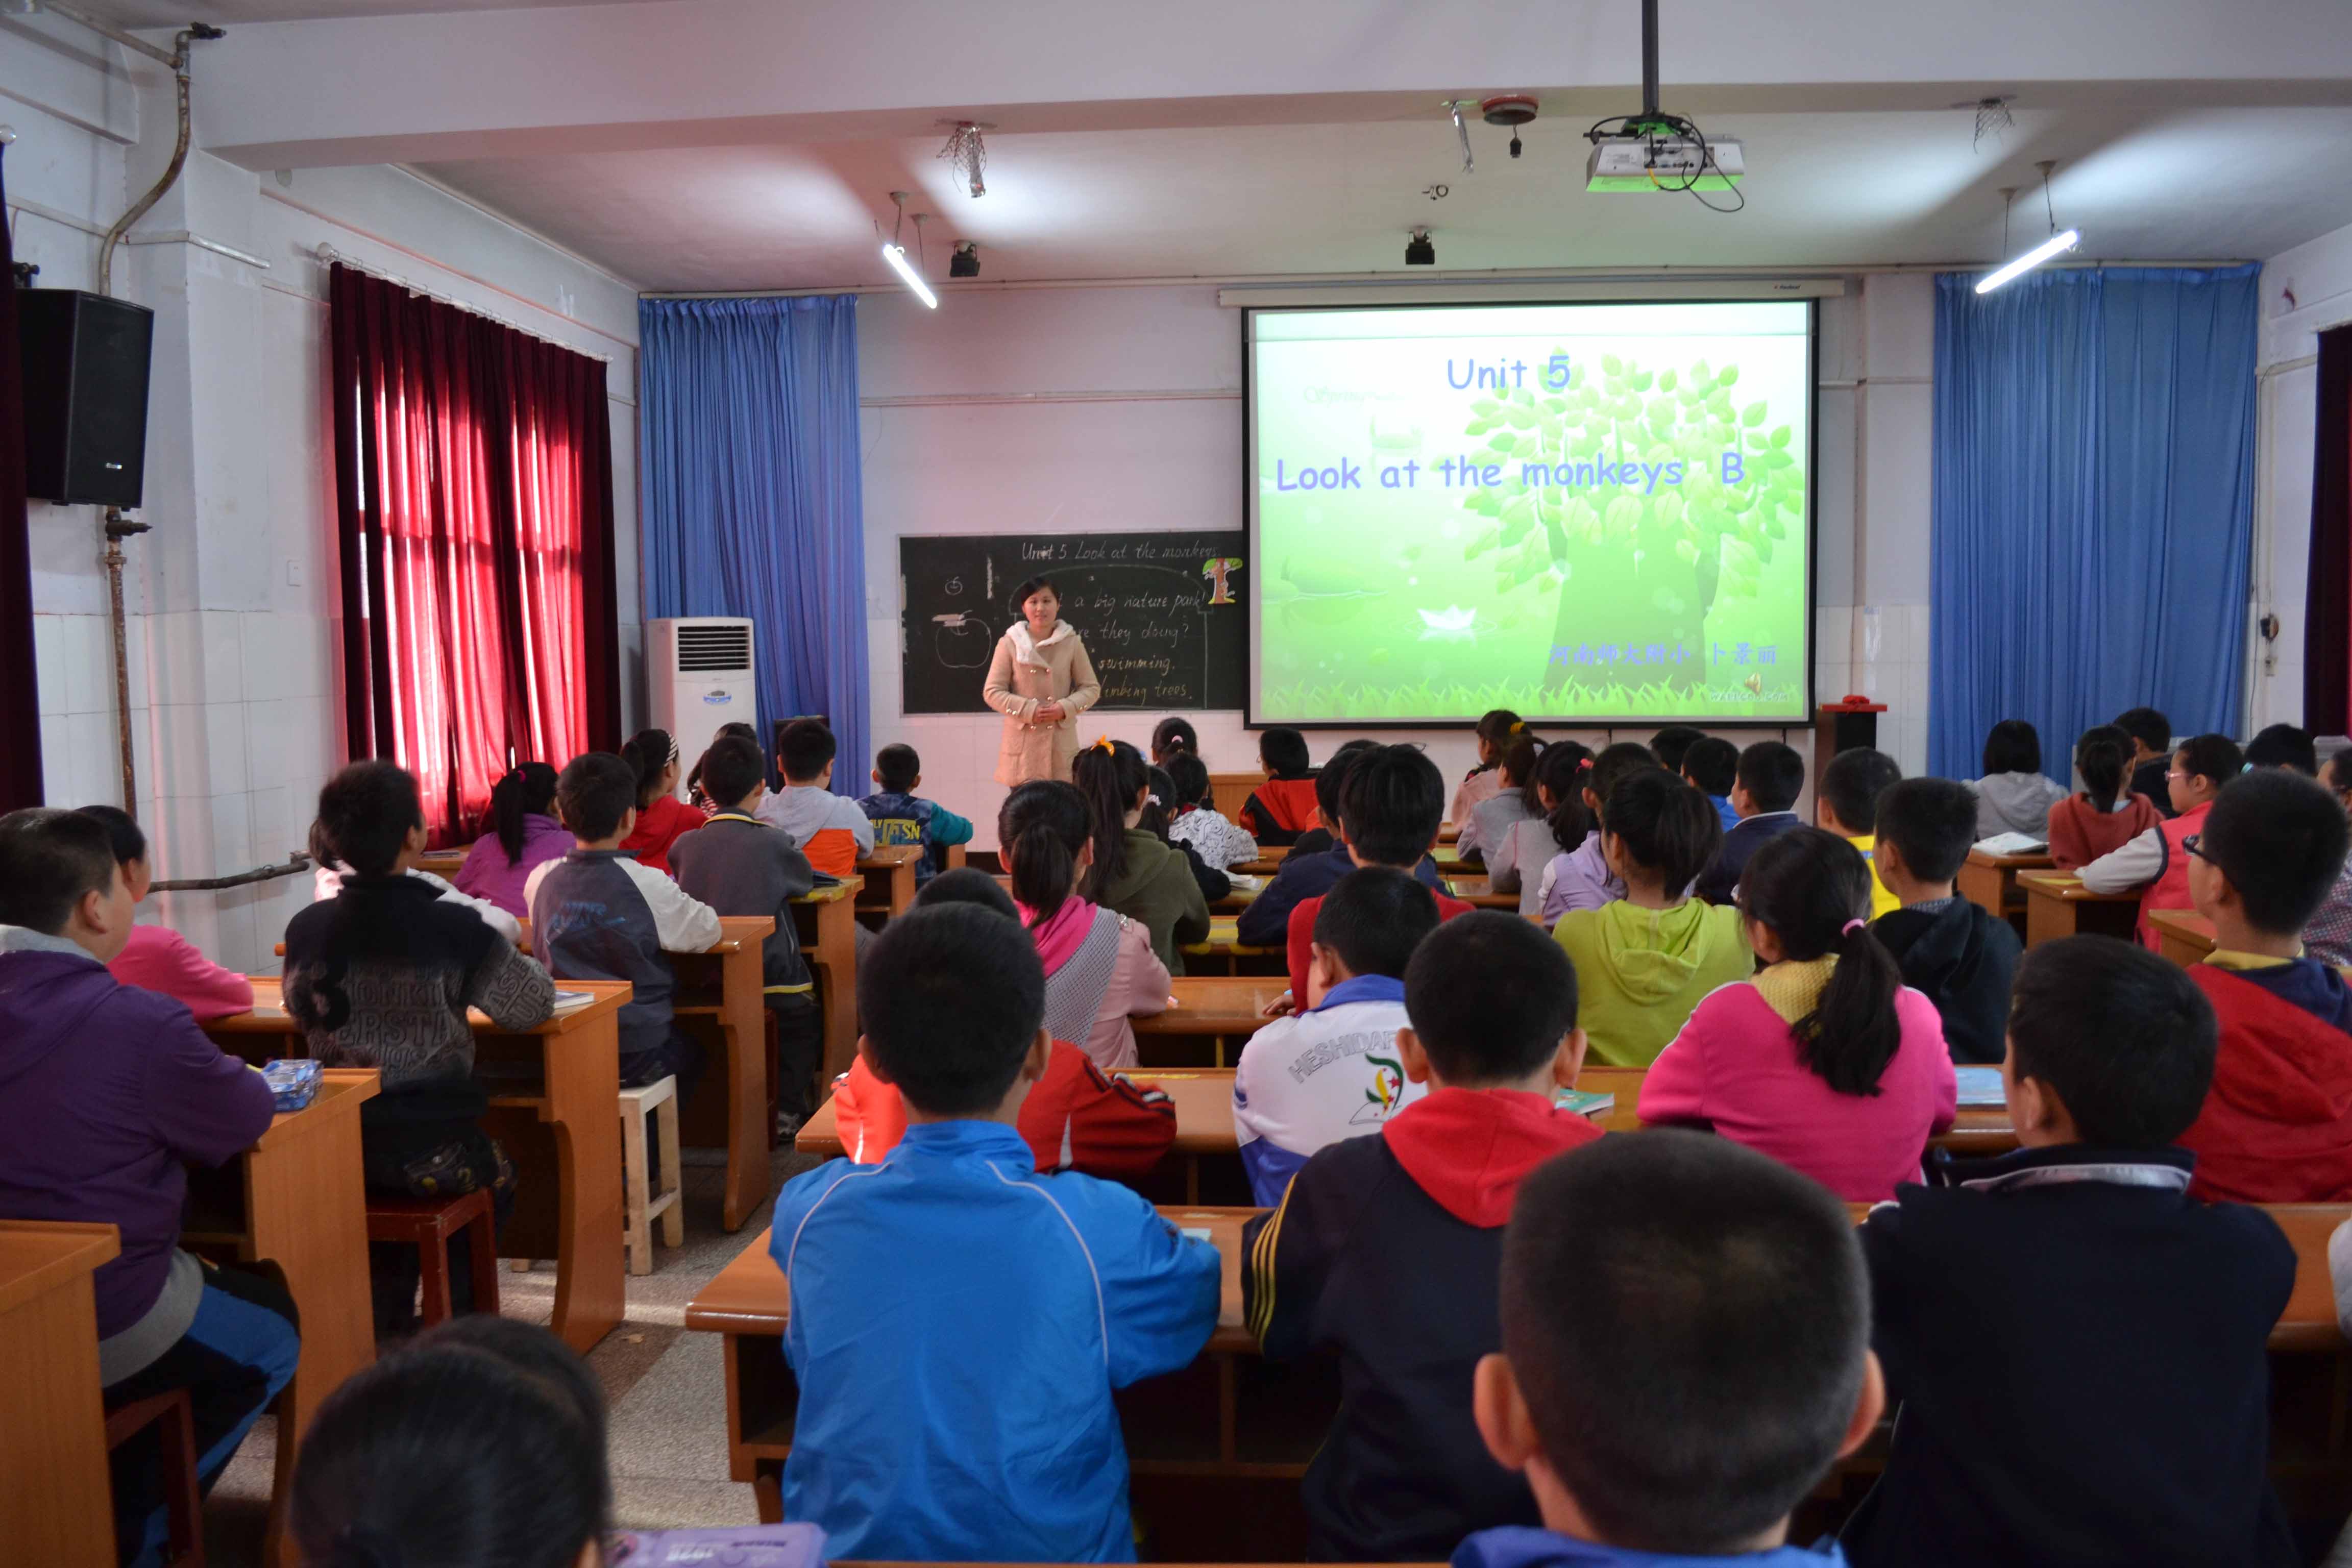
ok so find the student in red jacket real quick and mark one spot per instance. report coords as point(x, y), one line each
point(1387, 1249)
point(1391, 807)
point(2277, 1124)
point(1283, 807)
point(1075, 1118)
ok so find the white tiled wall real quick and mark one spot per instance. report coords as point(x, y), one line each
point(231, 635)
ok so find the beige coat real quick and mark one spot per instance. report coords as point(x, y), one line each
point(1026, 674)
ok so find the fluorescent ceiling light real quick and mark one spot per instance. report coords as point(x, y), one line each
point(2033, 258)
point(896, 254)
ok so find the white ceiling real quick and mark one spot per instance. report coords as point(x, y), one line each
point(752, 143)
point(1831, 189)
point(243, 13)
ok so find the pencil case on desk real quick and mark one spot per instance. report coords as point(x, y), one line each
point(293, 1082)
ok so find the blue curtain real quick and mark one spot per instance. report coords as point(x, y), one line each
point(749, 475)
point(2093, 504)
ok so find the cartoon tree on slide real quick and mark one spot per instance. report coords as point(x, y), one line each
point(1632, 568)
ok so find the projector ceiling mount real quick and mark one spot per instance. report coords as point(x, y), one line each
point(1655, 150)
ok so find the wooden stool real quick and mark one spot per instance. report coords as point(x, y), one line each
point(169, 1414)
point(639, 1204)
point(427, 1224)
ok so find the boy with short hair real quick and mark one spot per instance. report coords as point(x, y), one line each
point(2151, 737)
point(2080, 1346)
point(972, 1421)
point(1385, 1249)
point(381, 975)
point(830, 830)
point(1685, 1352)
point(1846, 803)
point(108, 1090)
point(1317, 862)
point(1330, 1071)
point(741, 865)
point(156, 956)
point(1672, 745)
point(1283, 807)
point(1390, 808)
point(598, 914)
point(1711, 766)
point(901, 816)
point(2156, 863)
point(2277, 1126)
point(1959, 956)
point(1764, 795)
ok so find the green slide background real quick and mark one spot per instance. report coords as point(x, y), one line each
point(1438, 602)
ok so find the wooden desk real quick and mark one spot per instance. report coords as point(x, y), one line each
point(721, 1000)
point(1479, 891)
point(56, 1500)
point(1990, 882)
point(827, 921)
point(560, 1119)
point(722, 996)
point(1270, 860)
point(2183, 936)
point(1212, 1017)
point(749, 1305)
point(890, 876)
point(1206, 1151)
point(442, 863)
point(1229, 1417)
point(296, 1199)
point(2058, 905)
point(1225, 953)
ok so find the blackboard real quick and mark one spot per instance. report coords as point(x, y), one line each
point(1162, 613)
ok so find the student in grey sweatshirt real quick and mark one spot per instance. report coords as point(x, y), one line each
point(2014, 795)
point(741, 866)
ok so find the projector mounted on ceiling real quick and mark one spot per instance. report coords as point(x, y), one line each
point(1667, 163)
point(1655, 150)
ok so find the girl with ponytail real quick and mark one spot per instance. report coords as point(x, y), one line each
point(523, 833)
point(1100, 970)
point(662, 817)
point(1499, 729)
point(1492, 819)
point(1825, 1061)
point(1133, 870)
point(1557, 824)
point(2104, 814)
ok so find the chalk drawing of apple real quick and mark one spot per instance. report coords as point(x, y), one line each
point(962, 642)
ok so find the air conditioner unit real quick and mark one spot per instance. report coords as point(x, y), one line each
point(699, 676)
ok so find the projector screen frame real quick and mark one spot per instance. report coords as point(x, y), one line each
point(1253, 720)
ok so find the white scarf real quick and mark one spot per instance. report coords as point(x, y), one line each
point(1027, 650)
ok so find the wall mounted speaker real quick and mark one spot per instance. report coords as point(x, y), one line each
point(86, 360)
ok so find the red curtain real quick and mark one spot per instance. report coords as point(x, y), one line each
point(2327, 598)
point(473, 467)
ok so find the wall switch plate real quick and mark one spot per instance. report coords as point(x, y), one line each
point(293, 573)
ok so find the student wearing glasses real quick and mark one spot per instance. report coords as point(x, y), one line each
point(2156, 864)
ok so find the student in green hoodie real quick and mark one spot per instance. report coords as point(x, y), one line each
point(1135, 872)
point(1643, 961)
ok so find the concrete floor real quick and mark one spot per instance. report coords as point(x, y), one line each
point(662, 1384)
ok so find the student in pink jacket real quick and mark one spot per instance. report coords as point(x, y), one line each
point(158, 958)
point(1100, 970)
point(1825, 1061)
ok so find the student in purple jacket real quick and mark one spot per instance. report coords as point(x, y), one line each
point(105, 1090)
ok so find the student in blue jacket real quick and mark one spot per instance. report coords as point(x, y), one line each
point(958, 1319)
point(1685, 1353)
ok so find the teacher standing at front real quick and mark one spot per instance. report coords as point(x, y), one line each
point(1041, 680)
